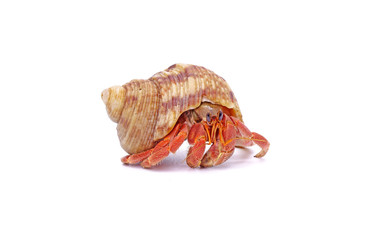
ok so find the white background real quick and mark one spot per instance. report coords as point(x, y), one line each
point(299, 69)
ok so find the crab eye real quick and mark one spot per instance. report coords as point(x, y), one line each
point(220, 116)
point(208, 119)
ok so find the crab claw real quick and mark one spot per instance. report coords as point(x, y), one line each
point(197, 139)
point(224, 145)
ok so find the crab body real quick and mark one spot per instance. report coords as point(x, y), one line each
point(156, 115)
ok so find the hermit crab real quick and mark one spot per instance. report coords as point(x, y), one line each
point(155, 116)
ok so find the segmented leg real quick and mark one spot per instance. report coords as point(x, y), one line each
point(261, 142)
point(197, 139)
point(179, 138)
point(248, 138)
point(223, 147)
point(136, 158)
point(153, 156)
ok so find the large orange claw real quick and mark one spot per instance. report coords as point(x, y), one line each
point(197, 139)
point(223, 146)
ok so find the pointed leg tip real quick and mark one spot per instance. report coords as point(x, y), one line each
point(124, 160)
point(260, 154)
point(206, 165)
point(146, 164)
point(192, 163)
point(193, 166)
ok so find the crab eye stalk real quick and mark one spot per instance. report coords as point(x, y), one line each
point(220, 115)
point(208, 118)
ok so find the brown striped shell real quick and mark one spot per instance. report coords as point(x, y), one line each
point(147, 110)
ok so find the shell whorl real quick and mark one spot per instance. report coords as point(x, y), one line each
point(112, 98)
point(147, 110)
point(184, 87)
point(137, 124)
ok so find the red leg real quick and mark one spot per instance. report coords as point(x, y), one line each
point(155, 155)
point(243, 133)
point(179, 138)
point(197, 140)
point(136, 158)
point(261, 142)
point(224, 146)
point(249, 138)
point(170, 144)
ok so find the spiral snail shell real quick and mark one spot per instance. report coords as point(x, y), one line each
point(147, 110)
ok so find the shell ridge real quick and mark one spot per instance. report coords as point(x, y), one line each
point(159, 96)
point(125, 123)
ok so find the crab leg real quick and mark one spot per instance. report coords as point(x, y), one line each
point(153, 156)
point(247, 138)
point(179, 138)
point(261, 142)
point(136, 158)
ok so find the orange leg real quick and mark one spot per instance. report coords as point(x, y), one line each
point(223, 147)
point(136, 158)
point(197, 139)
point(248, 138)
point(179, 138)
point(262, 143)
point(153, 156)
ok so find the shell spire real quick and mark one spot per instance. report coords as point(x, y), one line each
point(112, 98)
